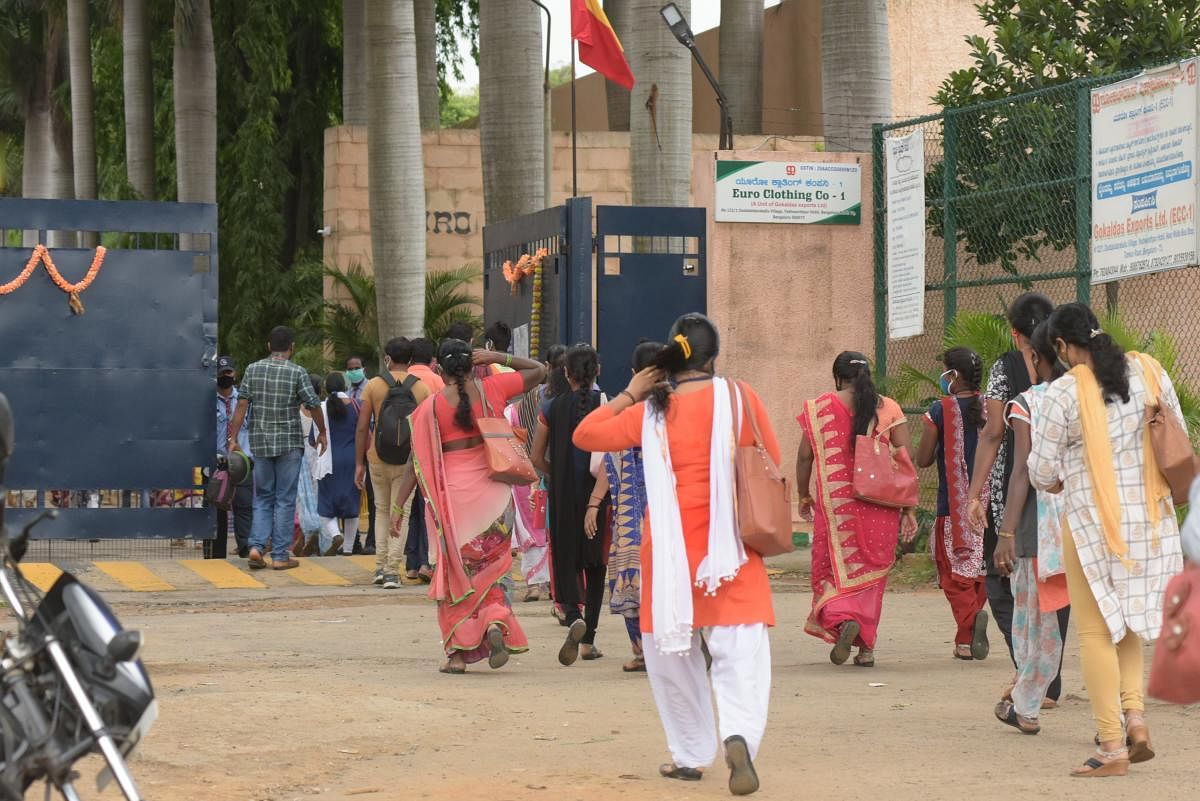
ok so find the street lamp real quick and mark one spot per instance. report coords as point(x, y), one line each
point(683, 33)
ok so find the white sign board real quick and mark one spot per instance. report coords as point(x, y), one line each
point(905, 156)
point(520, 341)
point(789, 192)
point(1144, 174)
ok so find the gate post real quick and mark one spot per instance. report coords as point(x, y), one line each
point(949, 218)
point(1083, 194)
point(879, 212)
point(578, 317)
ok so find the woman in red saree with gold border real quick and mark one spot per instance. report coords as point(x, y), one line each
point(854, 543)
point(466, 509)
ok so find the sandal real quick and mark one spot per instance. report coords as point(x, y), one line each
point(636, 665)
point(533, 594)
point(1006, 713)
point(743, 779)
point(255, 560)
point(1108, 763)
point(963, 651)
point(570, 648)
point(453, 670)
point(845, 641)
point(498, 657)
point(865, 659)
point(1138, 738)
point(673, 771)
point(558, 614)
point(980, 648)
point(591, 654)
point(425, 575)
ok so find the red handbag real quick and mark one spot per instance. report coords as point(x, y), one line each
point(884, 474)
point(1175, 673)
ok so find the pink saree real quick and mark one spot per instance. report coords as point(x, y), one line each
point(465, 511)
point(854, 543)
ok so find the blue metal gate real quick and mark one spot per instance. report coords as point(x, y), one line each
point(650, 269)
point(119, 398)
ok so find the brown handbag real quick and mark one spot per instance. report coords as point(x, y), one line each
point(507, 459)
point(1172, 447)
point(884, 475)
point(764, 495)
point(1175, 673)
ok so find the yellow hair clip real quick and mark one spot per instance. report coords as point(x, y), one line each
point(687, 346)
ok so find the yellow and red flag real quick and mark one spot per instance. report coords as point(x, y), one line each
point(599, 46)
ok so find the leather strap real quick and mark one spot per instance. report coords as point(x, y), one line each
point(735, 392)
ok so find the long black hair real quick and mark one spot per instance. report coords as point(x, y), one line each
point(692, 344)
point(644, 353)
point(583, 366)
point(969, 367)
point(1043, 346)
point(1075, 324)
point(1028, 311)
point(556, 376)
point(853, 368)
point(335, 383)
point(454, 357)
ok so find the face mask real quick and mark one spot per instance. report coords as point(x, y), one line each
point(226, 381)
point(945, 382)
point(355, 376)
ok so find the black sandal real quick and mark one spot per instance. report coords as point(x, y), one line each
point(1006, 713)
point(673, 771)
point(845, 642)
point(743, 779)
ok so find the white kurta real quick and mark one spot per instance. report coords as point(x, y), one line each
point(1128, 597)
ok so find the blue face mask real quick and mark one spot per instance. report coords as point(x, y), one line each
point(355, 376)
point(945, 382)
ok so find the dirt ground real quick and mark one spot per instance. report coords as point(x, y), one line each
point(334, 694)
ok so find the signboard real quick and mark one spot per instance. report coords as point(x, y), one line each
point(905, 188)
point(789, 192)
point(1144, 174)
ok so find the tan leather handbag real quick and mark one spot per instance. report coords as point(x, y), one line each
point(507, 460)
point(764, 495)
point(1169, 439)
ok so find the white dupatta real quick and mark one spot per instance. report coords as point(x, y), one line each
point(672, 583)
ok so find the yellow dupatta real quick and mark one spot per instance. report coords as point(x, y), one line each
point(1098, 457)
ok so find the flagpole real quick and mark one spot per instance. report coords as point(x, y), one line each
point(574, 132)
point(547, 134)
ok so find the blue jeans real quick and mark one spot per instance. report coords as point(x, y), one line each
point(276, 479)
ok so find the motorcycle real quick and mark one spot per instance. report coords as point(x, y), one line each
point(71, 682)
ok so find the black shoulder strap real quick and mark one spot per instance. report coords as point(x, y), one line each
point(411, 382)
point(388, 379)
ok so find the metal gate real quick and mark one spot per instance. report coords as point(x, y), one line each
point(650, 269)
point(116, 401)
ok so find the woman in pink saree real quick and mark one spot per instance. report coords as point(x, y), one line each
point(854, 543)
point(466, 508)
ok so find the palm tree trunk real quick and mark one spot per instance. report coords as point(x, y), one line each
point(741, 62)
point(425, 15)
point(139, 99)
point(660, 119)
point(617, 12)
point(354, 63)
point(83, 107)
point(46, 170)
point(511, 109)
point(195, 85)
point(856, 72)
point(395, 164)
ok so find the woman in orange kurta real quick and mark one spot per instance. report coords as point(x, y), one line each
point(704, 578)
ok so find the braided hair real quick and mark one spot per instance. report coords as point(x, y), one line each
point(583, 366)
point(335, 383)
point(556, 381)
point(853, 367)
point(969, 367)
point(455, 360)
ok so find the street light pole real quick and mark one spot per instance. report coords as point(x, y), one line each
point(547, 134)
point(683, 33)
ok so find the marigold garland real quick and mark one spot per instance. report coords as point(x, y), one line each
point(526, 266)
point(42, 255)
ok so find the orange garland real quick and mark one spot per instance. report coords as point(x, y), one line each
point(42, 255)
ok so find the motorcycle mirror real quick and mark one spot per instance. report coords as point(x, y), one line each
point(6, 433)
point(125, 646)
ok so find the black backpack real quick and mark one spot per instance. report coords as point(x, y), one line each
point(392, 435)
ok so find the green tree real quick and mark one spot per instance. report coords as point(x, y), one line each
point(459, 108)
point(1033, 45)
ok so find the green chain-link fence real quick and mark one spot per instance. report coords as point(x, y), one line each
point(1008, 208)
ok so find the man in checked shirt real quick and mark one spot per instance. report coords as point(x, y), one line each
point(276, 387)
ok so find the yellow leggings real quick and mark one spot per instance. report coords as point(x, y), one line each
point(1111, 673)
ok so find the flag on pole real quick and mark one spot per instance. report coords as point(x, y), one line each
point(599, 47)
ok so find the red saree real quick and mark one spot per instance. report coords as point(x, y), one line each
point(465, 511)
point(854, 543)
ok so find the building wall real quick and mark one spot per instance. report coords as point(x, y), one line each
point(927, 43)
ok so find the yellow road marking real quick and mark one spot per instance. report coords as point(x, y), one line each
point(222, 575)
point(311, 573)
point(42, 574)
point(367, 563)
point(134, 576)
